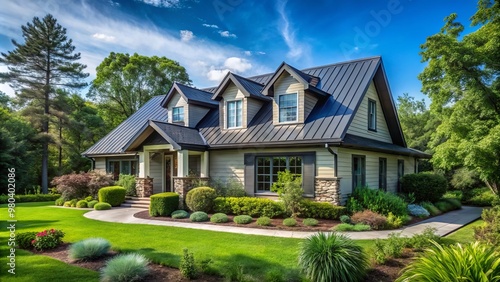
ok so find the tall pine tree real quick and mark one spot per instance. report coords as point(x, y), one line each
point(45, 62)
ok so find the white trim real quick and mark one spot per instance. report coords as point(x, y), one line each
point(157, 147)
point(226, 114)
point(297, 103)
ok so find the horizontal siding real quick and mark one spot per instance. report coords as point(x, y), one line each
point(359, 125)
point(178, 101)
point(252, 106)
point(196, 113)
point(156, 172)
point(230, 94)
point(100, 164)
point(309, 103)
point(284, 85)
point(372, 169)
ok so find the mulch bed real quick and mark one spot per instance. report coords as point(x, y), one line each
point(391, 270)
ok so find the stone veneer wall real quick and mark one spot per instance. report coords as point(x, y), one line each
point(327, 190)
point(144, 187)
point(182, 185)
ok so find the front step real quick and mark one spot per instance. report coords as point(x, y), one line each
point(136, 202)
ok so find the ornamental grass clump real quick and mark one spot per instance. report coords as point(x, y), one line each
point(332, 257)
point(417, 210)
point(89, 249)
point(125, 268)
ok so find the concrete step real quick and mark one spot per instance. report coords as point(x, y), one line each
point(132, 205)
point(145, 202)
point(138, 198)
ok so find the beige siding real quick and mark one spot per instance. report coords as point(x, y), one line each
point(372, 169)
point(232, 93)
point(178, 101)
point(286, 84)
point(252, 106)
point(156, 172)
point(309, 103)
point(100, 164)
point(196, 113)
point(359, 125)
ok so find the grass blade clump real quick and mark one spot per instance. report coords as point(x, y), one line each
point(89, 249)
point(125, 268)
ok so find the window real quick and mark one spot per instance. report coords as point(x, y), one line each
point(117, 167)
point(401, 172)
point(234, 114)
point(178, 114)
point(267, 169)
point(287, 107)
point(358, 171)
point(372, 115)
point(382, 174)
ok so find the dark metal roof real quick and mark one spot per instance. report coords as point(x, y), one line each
point(249, 88)
point(178, 134)
point(121, 135)
point(191, 95)
point(374, 145)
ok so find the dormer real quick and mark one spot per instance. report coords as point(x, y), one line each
point(294, 93)
point(239, 101)
point(187, 105)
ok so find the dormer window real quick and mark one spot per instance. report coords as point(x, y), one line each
point(288, 107)
point(372, 115)
point(178, 114)
point(234, 114)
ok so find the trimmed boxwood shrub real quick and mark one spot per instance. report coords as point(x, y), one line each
point(321, 210)
point(255, 207)
point(201, 199)
point(59, 201)
point(102, 206)
point(310, 222)
point(264, 221)
point(24, 239)
point(219, 218)
point(92, 203)
point(163, 204)
point(242, 219)
point(425, 186)
point(30, 198)
point(178, 214)
point(199, 216)
point(290, 222)
point(113, 195)
point(376, 200)
point(81, 204)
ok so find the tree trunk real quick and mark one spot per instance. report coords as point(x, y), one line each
point(45, 150)
point(60, 146)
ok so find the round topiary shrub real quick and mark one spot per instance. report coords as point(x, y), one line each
point(178, 214)
point(89, 249)
point(102, 206)
point(201, 199)
point(242, 219)
point(310, 222)
point(59, 201)
point(219, 218)
point(290, 222)
point(81, 204)
point(425, 186)
point(67, 204)
point(124, 268)
point(92, 203)
point(163, 204)
point(114, 195)
point(264, 221)
point(73, 203)
point(345, 219)
point(199, 216)
point(332, 257)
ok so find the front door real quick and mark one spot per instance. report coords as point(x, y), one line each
point(168, 173)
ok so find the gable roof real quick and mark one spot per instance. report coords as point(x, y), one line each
point(248, 87)
point(191, 95)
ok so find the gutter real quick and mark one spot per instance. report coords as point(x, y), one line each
point(335, 159)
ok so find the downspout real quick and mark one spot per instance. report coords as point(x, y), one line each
point(92, 162)
point(335, 159)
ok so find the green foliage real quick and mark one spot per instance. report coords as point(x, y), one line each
point(418, 211)
point(89, 249)
point(125, 268)
point(465, 179)
point(310, 222)
point(470, 262)
point(231, 188)
point(374, 220)
point(290, 222)
point(480, 197)
point(242, 219)
point(73, 203)
point(443, 206)
point(113, 195)
point(80, 185)
point(198, 216)
point(179, 214)
point(127, 181)
point(394, 222)
point(457, 194)
point(425, 186)
point(187, 266)
point(489, 232)
point(332, 257)
point(201, 199)
point(92, 203)
point(424, 239)
point(377, 201)
point(89, 198)
point(163, 204)
point(455, 203)
point(321, 210)
point(390, 248)
point(30, 198)
point(433, 210)
point(102, 206)
point(345, 219)
point(263, 221)
point(48, 239)
point(59, 201)
point(219, 218)
point(252, 206)
point(81, 204)
point(351, 227)
point(289, 188)
point(24, 240)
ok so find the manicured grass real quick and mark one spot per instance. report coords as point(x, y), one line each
point(464, 234)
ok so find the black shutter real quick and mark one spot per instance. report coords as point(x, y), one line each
point(309, 173)
point(249, 160)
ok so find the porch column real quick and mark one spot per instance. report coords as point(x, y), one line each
point(182, 163)
point(142, 165)
point(204, 164)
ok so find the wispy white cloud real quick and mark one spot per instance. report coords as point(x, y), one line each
point(217, 75)
point(248, 53)
point(237, 64)
point(261, 53)
point(186, 35)
point(162, 3)
point(226, 33)
point(296, 48)
point(211, 25)
point(113, 3)
point(104, 37)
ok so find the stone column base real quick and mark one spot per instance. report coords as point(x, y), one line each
point(327, 190)
point(144, 187)
point(182, 185)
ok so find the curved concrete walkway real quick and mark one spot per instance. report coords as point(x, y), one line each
point(444, 224)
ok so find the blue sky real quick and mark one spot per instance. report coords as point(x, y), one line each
point(212, 37)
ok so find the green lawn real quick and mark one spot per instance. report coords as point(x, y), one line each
point(161, 244)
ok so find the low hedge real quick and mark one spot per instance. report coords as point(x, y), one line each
point(4, 199)
point(81, 204)
point(113, 195)
point(163, 204)
point(310, 209)
point(425, 186)
point(254, 207)
point(102, 206)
